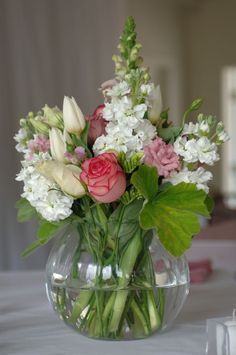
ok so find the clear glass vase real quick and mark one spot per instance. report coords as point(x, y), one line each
point(127, 296)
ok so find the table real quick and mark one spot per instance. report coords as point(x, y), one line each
point(28, 325)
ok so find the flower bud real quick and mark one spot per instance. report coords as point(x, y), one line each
point(39, 126)
point(57, 144)
point(67, 138)
point(53, 116)
point(66, 176)
point(156, 105)
point(73, 117)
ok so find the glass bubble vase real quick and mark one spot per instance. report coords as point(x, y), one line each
point(126, 296)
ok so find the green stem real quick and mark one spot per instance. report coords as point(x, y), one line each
point(126, 267)
point(137, 311)
point(81, 302)
point(154, 317)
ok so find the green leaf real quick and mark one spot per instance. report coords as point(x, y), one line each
point(124, 221)
point(170, 133)
point(25, 210)
point(47, 230)
point(31, 248)
point(84, 134)
point(174, 212)
point(165, 115)
point(210, 204)
point(145, 180)
point(45, 233)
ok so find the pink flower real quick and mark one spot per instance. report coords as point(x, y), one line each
point(77, 156)
point(108, 84)
point(162, 156)
point(40, 143)
point(97, 124)
point(104, 177)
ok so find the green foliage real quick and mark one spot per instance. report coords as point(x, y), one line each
point(46, 231)
point(129, 164)
point(81, 140)
point(210, 204)
point(123, 222)
point(145, 180)
point(169, 134)
point(174, 213)
point(84, 134)
point(25, 210)
point(195, 105)
point(128, 47)
point(130, 195)
point(31, 248)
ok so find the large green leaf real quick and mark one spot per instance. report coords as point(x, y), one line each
point(25, 210)
point(174, 212)
point(124, 221)
point(145, 180)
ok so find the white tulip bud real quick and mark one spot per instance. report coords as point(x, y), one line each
point(74, 121)
point(57, 144)
point(66, 176)
point(155, 100)
point(67, 137)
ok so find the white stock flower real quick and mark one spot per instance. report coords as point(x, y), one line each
point(199, 177)
point(146, 89)
point(207, 151)
point(127, 131)
point(194, 150)
point(120, 89)
point(204, 127)
point(21, 139)
point(139, 110)
point(190, 128)
point(223, 136)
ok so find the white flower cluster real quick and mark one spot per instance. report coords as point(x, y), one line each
point(199, 177)
point(198, 129)
point(21, 137)
point(127, 130)
point(194, 150)
point(43, 194)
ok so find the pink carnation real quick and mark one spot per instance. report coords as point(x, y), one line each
point(162, 156)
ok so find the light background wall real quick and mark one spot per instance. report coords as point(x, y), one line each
point(57, 47)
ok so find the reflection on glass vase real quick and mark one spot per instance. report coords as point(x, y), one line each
point(127, 296)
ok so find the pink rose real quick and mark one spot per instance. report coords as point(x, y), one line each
point(104, 177)
point(162, 156)
point(97, 124)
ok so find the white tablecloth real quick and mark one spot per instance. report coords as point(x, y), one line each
point(28, 325)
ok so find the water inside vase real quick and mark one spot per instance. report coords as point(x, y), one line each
point(108, 313)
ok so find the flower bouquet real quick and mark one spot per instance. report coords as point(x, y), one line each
point(123, 188)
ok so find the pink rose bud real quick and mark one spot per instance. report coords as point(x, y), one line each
point(104, 177)
point(97, 124)
point(108, 84)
